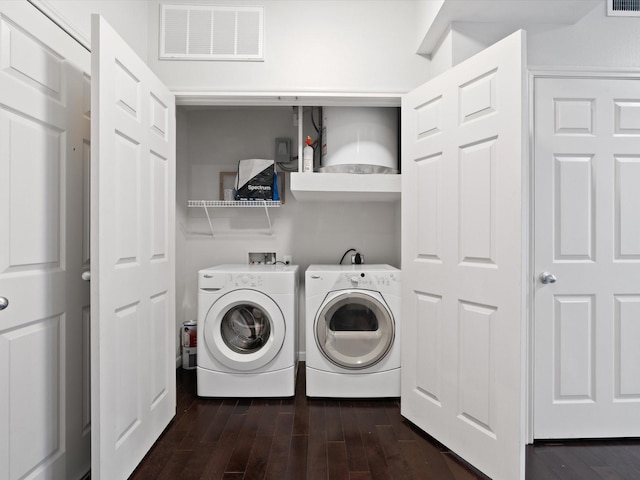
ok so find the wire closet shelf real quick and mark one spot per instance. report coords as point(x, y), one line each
point(206, 204)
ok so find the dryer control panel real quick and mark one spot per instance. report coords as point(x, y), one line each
point(365, 280)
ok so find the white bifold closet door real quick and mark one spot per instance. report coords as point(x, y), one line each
point(132, 242)
point(45, 412)
point(462, 258)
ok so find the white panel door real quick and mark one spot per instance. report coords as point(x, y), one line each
point(462, 250)
point(44, 386)
point(587, 234)
point(132, 245)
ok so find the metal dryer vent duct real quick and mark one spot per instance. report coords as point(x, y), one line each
point(360, 140)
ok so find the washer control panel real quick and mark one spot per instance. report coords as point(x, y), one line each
point(246, 280)
point(214, 281)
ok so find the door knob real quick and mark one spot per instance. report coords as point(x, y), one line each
point(4, 303)
point(546, 277)
point(86, 276)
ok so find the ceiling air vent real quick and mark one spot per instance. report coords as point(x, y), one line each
point(623, 8)
point(211, 32)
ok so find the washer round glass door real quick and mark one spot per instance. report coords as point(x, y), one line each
point(354, 329)
point(244, 329)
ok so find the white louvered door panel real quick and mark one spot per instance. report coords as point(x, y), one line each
point(587, 234)
point(462, 258)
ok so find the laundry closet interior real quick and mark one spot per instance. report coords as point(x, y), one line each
point(210, 140)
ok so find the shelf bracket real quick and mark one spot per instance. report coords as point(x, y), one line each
point(266, 211)
point(206, 211)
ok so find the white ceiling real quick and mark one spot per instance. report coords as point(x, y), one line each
point(513, 14)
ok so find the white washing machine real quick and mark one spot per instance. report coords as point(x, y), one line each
point(352, 331)
point(247, 335)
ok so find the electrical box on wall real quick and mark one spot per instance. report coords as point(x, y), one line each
point(262, 258)
point(283, 150)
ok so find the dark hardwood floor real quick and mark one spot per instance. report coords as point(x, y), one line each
point(614, 459)
point(300, 438)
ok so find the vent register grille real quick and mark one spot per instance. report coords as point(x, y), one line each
point(623, 8)
point(211, 32)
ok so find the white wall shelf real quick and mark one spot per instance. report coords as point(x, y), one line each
point(206, 204)
point(278, 99)
point(341, 187)
point(234, 203)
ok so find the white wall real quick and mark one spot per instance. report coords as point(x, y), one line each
point(442, 56)
point(129, 18)
point(310, 232)
point(461, 41)
point(312, 45)
point(426, 13)
point(596, 40)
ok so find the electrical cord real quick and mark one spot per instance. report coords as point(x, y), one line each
point(286, 168)
point(319, 139)
point(313, 121)
point(345, 254)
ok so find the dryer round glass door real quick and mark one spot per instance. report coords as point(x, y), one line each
point(244, 330)
point(354, 329)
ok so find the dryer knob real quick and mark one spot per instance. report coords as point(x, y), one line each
point(355, 279)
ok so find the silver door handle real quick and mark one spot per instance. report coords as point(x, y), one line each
point(4, 303)
point(86, 276)
point(546, 278)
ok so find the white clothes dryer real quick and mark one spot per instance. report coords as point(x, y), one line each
point(352, 331)
point(247, 335)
